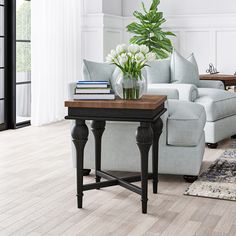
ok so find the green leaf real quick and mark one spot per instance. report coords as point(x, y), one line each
point(139, 15)
point(144, 8)
point(169, 33)
point(154, 5)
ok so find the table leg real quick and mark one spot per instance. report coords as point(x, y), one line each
point(98, 128)
point(157, 130)
point(144, 138)
point(80, 137)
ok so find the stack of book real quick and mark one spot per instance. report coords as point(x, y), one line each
point(93, 90)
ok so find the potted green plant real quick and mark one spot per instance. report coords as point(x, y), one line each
point(148, 31)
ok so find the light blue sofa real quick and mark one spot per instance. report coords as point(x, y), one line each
point(182, 143)
point(220, 105)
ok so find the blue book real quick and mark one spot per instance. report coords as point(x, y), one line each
point(92, 82)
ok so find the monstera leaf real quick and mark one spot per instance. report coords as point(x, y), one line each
point(147, 30)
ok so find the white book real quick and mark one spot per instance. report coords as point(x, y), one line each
point(92, 85)
point(87, 90)
point(94, 96)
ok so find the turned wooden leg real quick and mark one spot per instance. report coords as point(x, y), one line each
point(212, 145)
point(157, 130)
point(80, 137)
point(144, 138)
point(98, 128)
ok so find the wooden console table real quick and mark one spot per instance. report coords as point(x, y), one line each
point(147, 111)
point(228, 80)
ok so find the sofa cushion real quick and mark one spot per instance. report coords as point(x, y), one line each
point(97, 71)
point(184, 71)
point(218, 103)
point(185, 123)
point(158, 72)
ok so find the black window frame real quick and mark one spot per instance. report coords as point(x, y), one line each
point(27, 122)
point(4, 125)
point(10, 67)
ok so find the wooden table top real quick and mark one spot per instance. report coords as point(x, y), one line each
point(221, 77)
point(147, 102)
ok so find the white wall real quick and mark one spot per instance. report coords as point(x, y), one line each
point(184, 7)
point(91, 6)
point(113, 7)
point(207, 28)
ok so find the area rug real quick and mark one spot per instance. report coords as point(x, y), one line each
point(219, 180)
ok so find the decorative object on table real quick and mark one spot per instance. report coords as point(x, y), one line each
point(148, 31)
point(130, 84)
point(212, 70)
point(93, 90)
point(219, 180)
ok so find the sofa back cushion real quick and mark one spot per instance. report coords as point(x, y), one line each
point(158, 72)
point(184, 71)
point(96, 71)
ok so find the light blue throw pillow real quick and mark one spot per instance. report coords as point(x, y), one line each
point(158, 72)
point(184, 71)
point(96, 71)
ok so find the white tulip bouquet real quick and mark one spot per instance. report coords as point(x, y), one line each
point(131, 59)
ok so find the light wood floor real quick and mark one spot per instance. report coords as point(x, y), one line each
point(37, 195)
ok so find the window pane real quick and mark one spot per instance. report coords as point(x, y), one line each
point(1, 21)
point(2, 52)
point(2, 120)
point(23, 25)
point(23, 102)
point(23, 62)
point(1, 83)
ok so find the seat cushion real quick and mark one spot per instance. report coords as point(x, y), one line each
point(185, 123)
point(218, 103)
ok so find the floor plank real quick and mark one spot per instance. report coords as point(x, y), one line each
point(37, 195)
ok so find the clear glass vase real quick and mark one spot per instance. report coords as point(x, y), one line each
point(130, 88)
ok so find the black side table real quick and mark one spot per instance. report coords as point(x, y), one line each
point(147, 111)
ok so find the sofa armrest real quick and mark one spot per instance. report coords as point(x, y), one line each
point(169, 92)
point(211, 84)
point(187, 92)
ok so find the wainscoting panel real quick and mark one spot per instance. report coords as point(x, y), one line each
point(176, 40)
point(111, 39)
point(92, 44)
point(198, 42)
point(226, 51)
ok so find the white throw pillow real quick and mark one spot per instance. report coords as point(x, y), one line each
point(184, 71)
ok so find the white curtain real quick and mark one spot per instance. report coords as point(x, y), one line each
point(56, 56)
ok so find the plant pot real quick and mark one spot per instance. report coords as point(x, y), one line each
point(128, 87)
